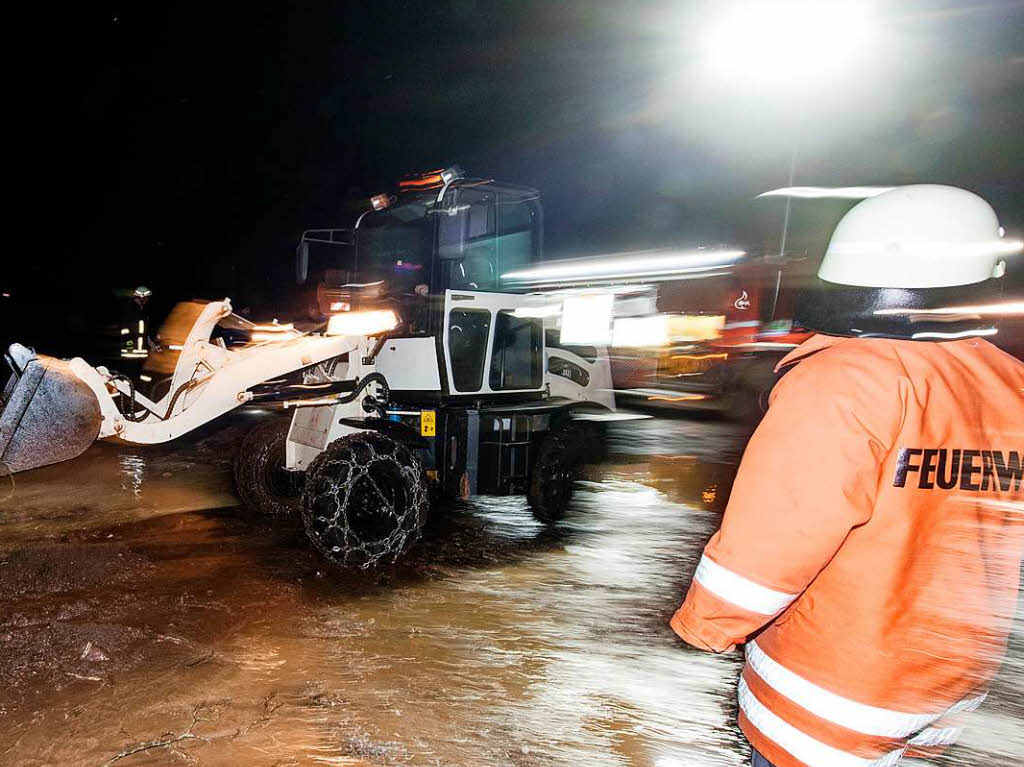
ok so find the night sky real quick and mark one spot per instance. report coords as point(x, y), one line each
point(186, 146)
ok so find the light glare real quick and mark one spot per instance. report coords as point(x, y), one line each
point(998, 310)
point(788, 42)
point(626, 266)
point(538, 312)
point(953, 336)
point(637, 332)
point(361, 323)
point(587, 319)
point(828, 193)
point(938, 249)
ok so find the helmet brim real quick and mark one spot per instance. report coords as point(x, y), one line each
point(901, 313)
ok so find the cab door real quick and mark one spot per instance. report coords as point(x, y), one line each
point(489, 348)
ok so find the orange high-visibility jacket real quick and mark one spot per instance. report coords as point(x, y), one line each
point(876, 526)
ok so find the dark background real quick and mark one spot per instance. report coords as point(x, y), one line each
point(186, 146)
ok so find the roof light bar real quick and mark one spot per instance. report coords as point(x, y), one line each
point(430, 180)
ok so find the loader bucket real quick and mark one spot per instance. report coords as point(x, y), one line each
point(48, 413)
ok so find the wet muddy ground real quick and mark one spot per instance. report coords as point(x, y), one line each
point(145, 620)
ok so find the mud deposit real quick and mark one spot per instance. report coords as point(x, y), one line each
point(145, 620)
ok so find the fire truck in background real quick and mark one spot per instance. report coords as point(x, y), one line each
point(723, 337)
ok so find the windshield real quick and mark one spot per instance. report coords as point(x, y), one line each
point(396, 245)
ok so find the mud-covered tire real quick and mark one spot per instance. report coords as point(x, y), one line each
point(559, 465)
point(365, 501)
point(261, 481)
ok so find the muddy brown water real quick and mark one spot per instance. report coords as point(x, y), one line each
point(145, 620)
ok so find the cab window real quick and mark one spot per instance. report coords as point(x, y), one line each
point(517, 241)
point(467, 239)
point(486, 233)
point(468, 332)
point(518, 353)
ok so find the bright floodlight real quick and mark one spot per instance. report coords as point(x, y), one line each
point(788, 42)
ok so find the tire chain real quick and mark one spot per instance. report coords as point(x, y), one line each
point(261, 451)
point(334, 475)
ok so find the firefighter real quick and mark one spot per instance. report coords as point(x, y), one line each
point(870, 552)
point(135, 329)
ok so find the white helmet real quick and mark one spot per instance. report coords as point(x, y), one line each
point(907, 250)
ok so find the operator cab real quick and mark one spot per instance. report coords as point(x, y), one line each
point(440, 231)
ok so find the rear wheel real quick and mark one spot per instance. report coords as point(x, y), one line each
point(365, 501)
point(559, 465)
point(261, 480)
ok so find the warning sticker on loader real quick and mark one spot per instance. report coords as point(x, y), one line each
point(428, 423)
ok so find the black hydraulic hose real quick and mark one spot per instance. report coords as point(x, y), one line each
point(372, 378)
point(134, 415)
point(271, 393)
point(174, 398)
point(370, 404)
point(141, 415)
point(374, 406)
point(377, 378)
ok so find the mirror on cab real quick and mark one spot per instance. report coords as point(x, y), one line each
point(302, 263)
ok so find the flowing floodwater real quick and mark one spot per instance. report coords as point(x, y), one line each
point(145, 620)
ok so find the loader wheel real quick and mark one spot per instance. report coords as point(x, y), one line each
point(365, 501)
point(558, 466)
point(261, 480)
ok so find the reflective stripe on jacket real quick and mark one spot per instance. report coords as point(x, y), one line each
point(876, 526)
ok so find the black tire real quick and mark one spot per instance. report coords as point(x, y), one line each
point(558, 467)
point(365, 501)
point(261, 481)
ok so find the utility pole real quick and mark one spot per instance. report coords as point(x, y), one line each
point(789, 199)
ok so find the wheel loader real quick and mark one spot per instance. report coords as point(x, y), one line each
point(426, 380)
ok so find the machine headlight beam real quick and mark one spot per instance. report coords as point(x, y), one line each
point(365, 323)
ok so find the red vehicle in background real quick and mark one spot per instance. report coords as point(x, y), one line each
point(725, 335)
point(724, 338)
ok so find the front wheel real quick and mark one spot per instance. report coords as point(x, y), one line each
point(558, 467)
point(365, 501)
point(261, 480)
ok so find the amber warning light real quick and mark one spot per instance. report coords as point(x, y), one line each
point(430, 180)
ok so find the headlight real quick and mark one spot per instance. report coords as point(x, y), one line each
point(260, 334)
point(361, 323)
